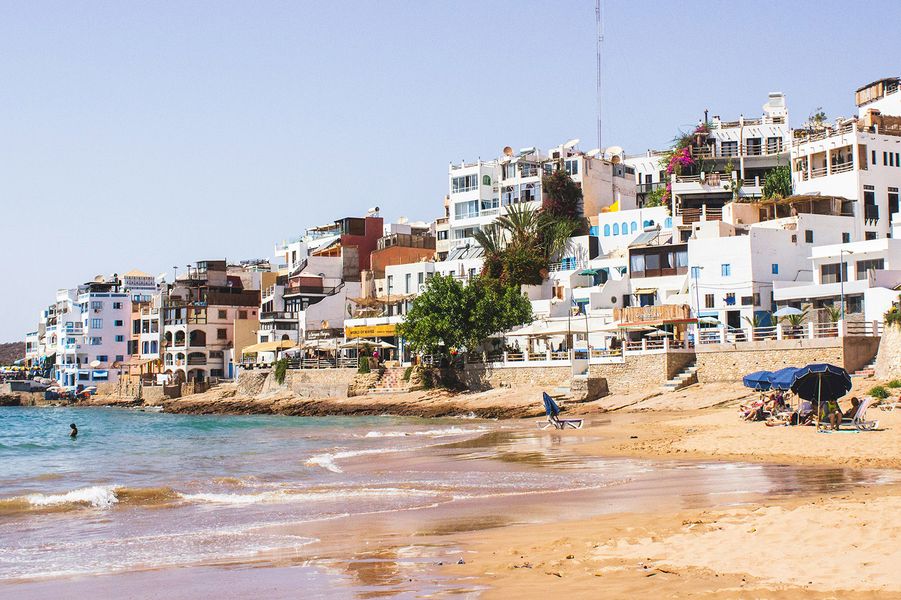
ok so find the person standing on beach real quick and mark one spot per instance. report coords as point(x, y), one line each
point(74, 433)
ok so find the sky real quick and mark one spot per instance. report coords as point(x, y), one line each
point(152, 134)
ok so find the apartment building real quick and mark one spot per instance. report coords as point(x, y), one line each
point(858, 159)
point(865, 274)
point(479, 192)
point(200, 312)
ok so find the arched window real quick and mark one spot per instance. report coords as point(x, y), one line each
point(633, 227)
point(647, 223)
point(625, 228)
point(486, 179)
point(668, 223)
point(607, 230)
point(616, 229)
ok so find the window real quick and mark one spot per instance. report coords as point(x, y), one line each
point(695, 272)
point(616, 229)
point(442, 235)
point(216, 354)
point(636, 264)
point(136, 326)
point(865, 266)
point(870, 235)
point(420, 278)
point(668, 223)
point(885, 159)
point(874, 158)
point(808, 236)
point(726, 270)
point(221, 334)
point(625, 228)
point(830, 273)
point(95, 341)
point(572, 166)
point(633, 227)
point(117, 323)
point(120, 338)
point(855, 304)
point(846, 237)
point(774, 269)
point(486, 179)
point(607, 230)
point(509, 171)
point(117, 305)
point(119, 358)
point(747, 300)
point(756, 299)
point(730, 148)
point(390, 283)
point(893, 204)
point(466, 183)
point(102, 357)
point(242, 314)
point(223, 314)
point(408, 280)
point(708, 300)
point(96, 323)
point(466, 210)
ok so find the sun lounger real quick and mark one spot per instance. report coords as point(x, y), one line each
point(859, 420)
point(553, 416)
point(889, 405)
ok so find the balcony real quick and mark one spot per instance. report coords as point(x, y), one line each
point(279, 316)
point(647, 188)
point(197, 361)
point(871, 212)
point(306, 290)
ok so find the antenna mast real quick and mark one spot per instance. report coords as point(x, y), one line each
point(600, 42)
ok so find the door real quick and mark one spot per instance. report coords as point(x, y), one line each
point(733, 319)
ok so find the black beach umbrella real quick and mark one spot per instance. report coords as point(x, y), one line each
point(821, 382)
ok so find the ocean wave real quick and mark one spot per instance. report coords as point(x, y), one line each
point(96, 496)
point(286, 496)
point(100, 497)
point(447, 431)
point(327, 460)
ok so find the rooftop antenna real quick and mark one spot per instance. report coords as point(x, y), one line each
point(600, 42)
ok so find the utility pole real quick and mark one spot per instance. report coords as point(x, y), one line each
point(600, 42)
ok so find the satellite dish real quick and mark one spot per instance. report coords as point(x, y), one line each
point(94, 364)
point(571, 143)
point(508, 151)
point(593, 153)
point(614, 154)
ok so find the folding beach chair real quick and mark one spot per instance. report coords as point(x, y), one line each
point(553, 416)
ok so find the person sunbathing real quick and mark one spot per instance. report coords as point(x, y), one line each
point(852, 412)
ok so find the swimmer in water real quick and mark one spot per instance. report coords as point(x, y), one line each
point(74, 433)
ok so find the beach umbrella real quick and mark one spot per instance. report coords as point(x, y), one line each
point(783, 378)
point(758, 380)
point(588, 272)
point(787, 311)
point(659, 333)
point(821, 382)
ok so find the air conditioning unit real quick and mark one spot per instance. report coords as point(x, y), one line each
point(421, 288)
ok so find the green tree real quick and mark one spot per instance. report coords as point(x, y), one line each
point(562, 196)
point(449, 314)
point(778, 183)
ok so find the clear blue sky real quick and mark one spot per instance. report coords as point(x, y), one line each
point(152, 134)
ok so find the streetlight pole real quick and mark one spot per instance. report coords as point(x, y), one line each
point(841, 277)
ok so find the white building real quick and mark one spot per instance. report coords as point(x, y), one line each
point(867, 274)
point(858, 159)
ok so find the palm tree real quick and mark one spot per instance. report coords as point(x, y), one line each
point(521, 223)
point(834, 313)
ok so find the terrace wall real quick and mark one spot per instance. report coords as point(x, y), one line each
point(309, 383)
point(730, 362)
point(888, 362)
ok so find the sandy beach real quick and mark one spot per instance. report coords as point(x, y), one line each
point(731, 509)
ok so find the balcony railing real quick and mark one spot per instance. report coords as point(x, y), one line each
point(279, 316)
point(871, 212)
point(842, 167)
point(197, 361)
point(309, 289)
point(646, 188)
point(818, 171)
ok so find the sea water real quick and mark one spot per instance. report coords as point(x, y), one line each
point(145, 490)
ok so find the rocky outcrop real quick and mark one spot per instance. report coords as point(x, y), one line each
point(888, 359)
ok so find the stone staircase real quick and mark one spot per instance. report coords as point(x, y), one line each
point(868, 371)
point(391, 382)
point(686, 377)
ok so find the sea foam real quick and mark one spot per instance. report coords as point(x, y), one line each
point(96, 496)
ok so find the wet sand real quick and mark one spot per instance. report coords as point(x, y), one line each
point(790, 513)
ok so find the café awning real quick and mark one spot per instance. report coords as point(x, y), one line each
point(268, 347)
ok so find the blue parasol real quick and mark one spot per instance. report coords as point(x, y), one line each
point(783, 378)
point(550, 407)
point(821, 382)
point(760, 381)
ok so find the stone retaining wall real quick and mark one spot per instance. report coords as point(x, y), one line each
point(483, 377)
point(888, 361)
point(719, 363)
point(310, 383)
